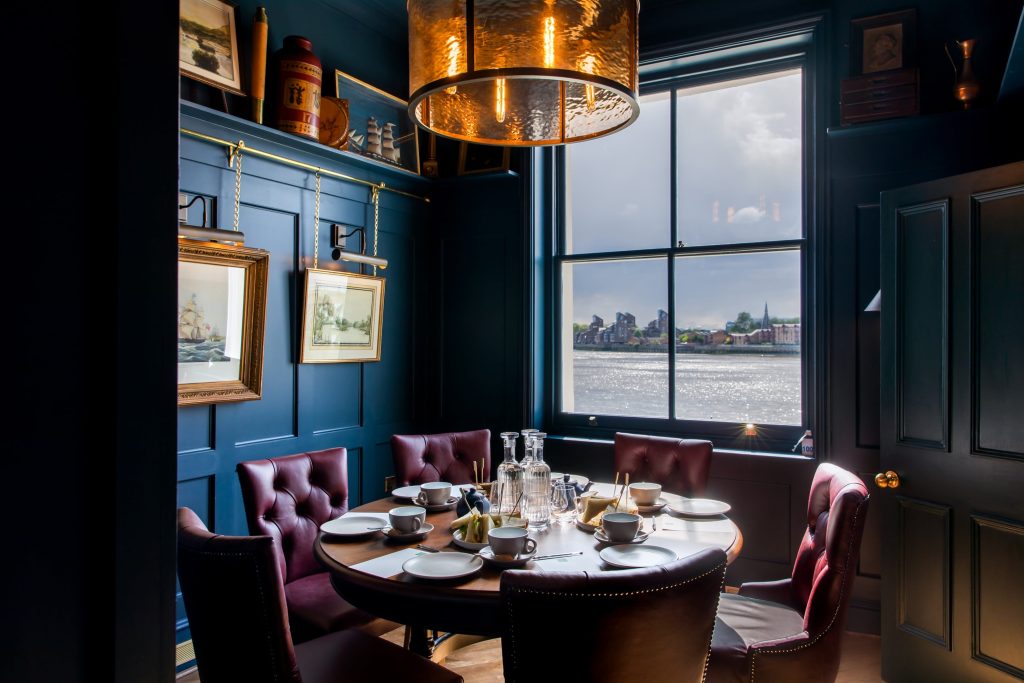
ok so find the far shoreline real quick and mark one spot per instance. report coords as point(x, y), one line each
point(709, 349)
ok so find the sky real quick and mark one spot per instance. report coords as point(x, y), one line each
point(739, 148)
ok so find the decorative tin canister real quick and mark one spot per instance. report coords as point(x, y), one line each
point(298, 91)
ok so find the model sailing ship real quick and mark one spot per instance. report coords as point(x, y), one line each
point(379, 142)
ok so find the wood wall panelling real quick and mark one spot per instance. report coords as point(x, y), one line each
point(922, 314)
point(997, 595)
point(924, 582)
point(997, 325)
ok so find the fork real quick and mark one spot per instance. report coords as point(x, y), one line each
point(428, 548)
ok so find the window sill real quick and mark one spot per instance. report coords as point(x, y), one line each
point(728, 452)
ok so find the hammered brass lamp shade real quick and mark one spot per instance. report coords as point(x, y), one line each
point(523, 72)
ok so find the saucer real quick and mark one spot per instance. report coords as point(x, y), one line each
point(700, 507)
point(396, 535)
point(352, 526)
point(505, 561)
point(639, 538)
point(410, 492)
point(655, 507)
point(441, 507)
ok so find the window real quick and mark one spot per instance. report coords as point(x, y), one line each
point(683, 263)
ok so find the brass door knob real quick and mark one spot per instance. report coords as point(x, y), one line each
point(887, 480)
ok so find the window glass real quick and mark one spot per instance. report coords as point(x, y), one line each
point(615, 338)
point(738, 338)
point(618, 187)
point(739, 146)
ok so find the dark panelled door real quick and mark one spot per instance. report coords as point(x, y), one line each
point(953, 429)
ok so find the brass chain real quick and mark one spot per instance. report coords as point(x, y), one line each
point(316, 223)
point(236, 159)
point(376, 220)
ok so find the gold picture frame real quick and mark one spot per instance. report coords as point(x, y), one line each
point(208, 44)
point(342, 317)
point(222, 312)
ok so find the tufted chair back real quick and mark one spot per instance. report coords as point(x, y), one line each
point(638, 624)
point(681, 466)
point(821, 578)
point(440, 457)
point(235, 603)
point(288, 498)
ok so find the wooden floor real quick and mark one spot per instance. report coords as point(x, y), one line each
point(481, 663)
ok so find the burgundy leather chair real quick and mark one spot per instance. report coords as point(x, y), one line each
point(440, 457)
point(681, 466)
point(288, 498)
point(234, 599)
point(790, 631)
point(638, 624)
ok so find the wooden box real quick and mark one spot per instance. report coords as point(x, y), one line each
point(883, 95)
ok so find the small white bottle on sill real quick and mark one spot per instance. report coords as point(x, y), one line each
point(807, 445)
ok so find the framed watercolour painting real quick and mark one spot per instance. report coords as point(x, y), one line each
point(222, 303)
point(342, 315)
point(883, 42)
point(208, 44)
point(379, 124)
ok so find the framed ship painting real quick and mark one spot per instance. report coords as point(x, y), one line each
point(342, 315)
point(222, 305)
point(208, 44)
point(379, 124)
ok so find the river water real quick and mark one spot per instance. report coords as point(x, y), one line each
point(721, 387)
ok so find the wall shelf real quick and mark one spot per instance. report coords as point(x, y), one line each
point(248, 130)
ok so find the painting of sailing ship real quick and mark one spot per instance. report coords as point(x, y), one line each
point(209, 321)
point(380, 126)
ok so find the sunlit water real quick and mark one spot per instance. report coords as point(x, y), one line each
point(726, 387)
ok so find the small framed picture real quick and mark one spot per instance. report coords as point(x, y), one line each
point(342, 315)
point(208, 44)
point(482, 158)
point(883, 42)
point(222, 310)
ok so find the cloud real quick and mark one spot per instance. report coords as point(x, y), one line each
point(748, 214)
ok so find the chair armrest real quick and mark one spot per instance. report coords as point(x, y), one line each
point(774, 591)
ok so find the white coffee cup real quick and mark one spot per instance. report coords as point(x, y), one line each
point(645, 493)
point(510, 540)
point(434, 493)
point(620, 526)
point(407, 519)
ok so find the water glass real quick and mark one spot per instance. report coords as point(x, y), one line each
point(563, 503)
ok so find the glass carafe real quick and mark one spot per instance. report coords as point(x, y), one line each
point(508, 488)
point(538, 483)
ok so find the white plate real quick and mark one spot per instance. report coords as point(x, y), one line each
point(699, 507)
point(504, 561)
point(410, 492)
point(660, 503)
point(631, 556)
point(352, 526)
point(442, 565)
point(397, 535)
point(457, 537)
point(639, 538)
point(589, 528)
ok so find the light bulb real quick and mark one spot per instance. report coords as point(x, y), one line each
point(549, 42)
point(499, 100)
point(454, 48)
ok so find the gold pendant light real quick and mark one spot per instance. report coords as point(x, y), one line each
point(523, 72)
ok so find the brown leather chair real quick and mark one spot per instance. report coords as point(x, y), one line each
point(790, 631)
point(447, 457)
point(234, 599)
point(637, 624)
point(288, 498)
point(681, 466)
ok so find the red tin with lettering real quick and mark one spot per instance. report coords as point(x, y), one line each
point(300, 77)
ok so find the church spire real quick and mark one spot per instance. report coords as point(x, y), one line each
point(766, 322)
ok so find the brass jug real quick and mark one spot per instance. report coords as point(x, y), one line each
point(966, 88)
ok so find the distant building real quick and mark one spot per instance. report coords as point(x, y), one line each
point(766, 322)
point(788, 333)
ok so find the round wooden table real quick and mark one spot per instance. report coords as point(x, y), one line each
point(471, 605)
